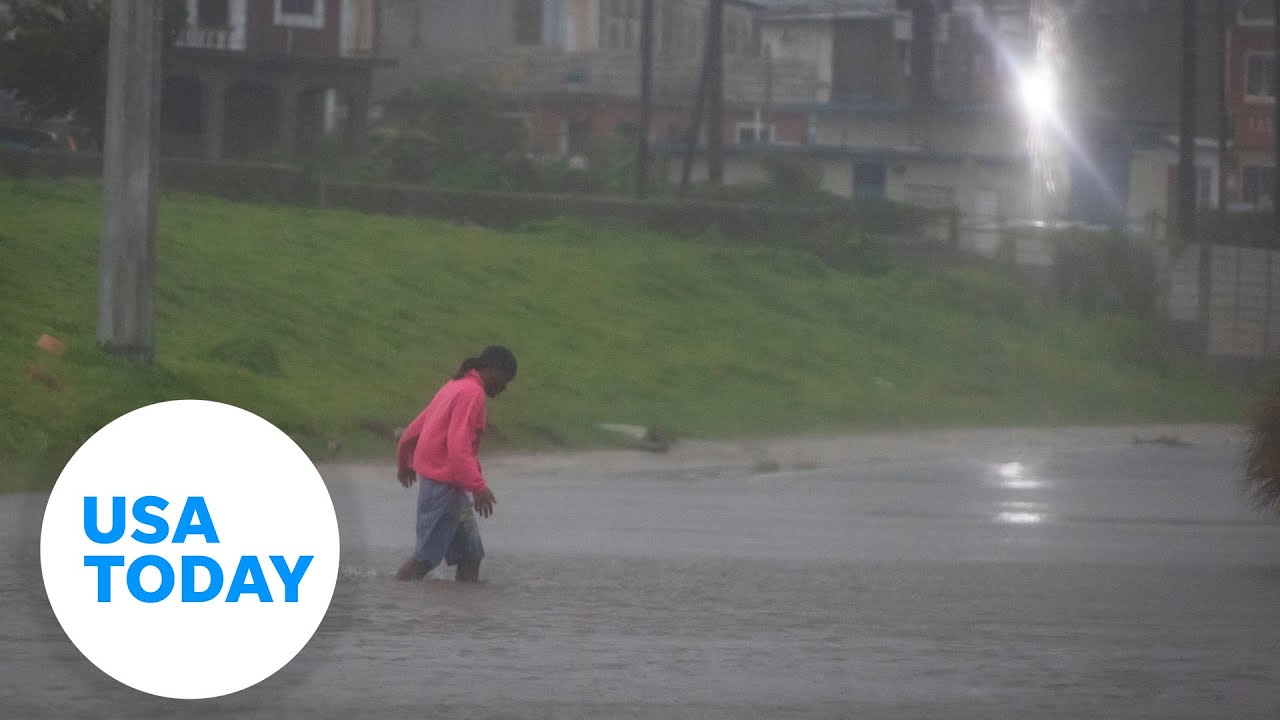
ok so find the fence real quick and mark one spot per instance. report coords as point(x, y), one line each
point(1244, 298)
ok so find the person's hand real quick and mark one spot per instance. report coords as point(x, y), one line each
point(484, 502)
point(406, 476)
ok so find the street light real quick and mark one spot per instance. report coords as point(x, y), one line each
point(1038, 89)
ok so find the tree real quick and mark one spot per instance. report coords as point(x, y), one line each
point(53, 56)
point(451, 130)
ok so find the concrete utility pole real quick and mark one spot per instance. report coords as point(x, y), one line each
point(767, 119)
point(1224, 113)
point(1187, 175)
point(1275, 196)
point(127, 252)
point(646, 97)
point(715, 104)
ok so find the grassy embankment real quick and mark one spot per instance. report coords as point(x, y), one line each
point(331, 322)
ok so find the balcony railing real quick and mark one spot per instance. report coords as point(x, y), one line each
point(209, 38)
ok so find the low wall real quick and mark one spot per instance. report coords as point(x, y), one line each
point(288, 185)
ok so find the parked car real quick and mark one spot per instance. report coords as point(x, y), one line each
point(16, 137)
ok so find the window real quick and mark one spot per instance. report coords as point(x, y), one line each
point(528, 22)
point(1258, 186)
point(300, 13)
point(620, 20)
point(1260, 76)
point(755, 134)
point(212, 14)
point(1204, 187)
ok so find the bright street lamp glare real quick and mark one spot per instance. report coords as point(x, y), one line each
point(1039, 92)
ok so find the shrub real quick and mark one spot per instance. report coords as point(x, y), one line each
point(1105, 272)
point(1262, 457)
point(846, 248)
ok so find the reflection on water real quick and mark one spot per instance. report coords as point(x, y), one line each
point(1020, 518)
point(1015, 476)
point(1021, 512)
point(1010, 470)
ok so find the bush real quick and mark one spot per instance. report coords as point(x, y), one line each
point(1262, 457)
point(405, 156)
point(792, 177)
point(450, 133)
point(1102, 273)
point(846, 248)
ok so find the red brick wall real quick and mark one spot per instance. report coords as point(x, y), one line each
point(264, 36)
point(1253, 121)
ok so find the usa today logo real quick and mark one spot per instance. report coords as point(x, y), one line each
point(189, 549)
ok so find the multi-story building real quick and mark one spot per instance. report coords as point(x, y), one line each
point(920, 102)
point(573, 66)
point(1251, 99)
point(1123, 106)
point(269, 77)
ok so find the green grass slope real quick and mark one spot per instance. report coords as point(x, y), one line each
point(328, 322)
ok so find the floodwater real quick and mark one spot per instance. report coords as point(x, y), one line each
point(1115, 581)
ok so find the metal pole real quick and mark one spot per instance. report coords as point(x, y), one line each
point(1187, 175)
point(646, 97)
point(126, 261)
point(715, 106)
point(695, 118)
point(1275, 202)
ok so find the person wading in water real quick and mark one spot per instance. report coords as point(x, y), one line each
point(439, 451)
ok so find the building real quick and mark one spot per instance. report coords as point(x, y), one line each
point(1008, 110)
point(269, 78)
point(1123, 107)
point(917, 102)
point(572, 67)
point(1251, 97)
point(840, 83)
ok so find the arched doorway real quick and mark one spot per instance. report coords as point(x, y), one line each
point(181, 113)
point(252, 121)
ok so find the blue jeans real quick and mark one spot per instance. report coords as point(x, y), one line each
point(447, 528)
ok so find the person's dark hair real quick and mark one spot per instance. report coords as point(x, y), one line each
point(494, 356)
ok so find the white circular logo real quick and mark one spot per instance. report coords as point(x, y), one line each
point(190, 549)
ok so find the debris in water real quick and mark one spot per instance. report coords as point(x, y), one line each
point(1170, 440)
point(647, 438)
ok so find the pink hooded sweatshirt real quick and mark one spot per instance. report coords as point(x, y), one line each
point(442, 443)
